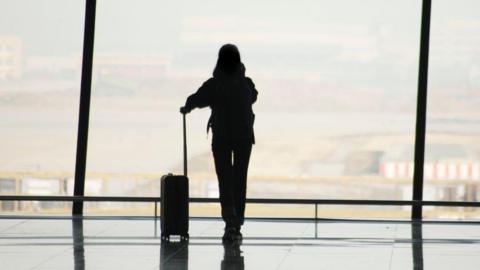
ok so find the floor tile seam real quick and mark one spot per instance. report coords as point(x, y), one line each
point(400, 240)
point(392, 251)
point(292, 246)
point(14, 225)
point(395, 236)
point(104, 230)
point(98, 233)
point(207, 229)
point(284, 257)
point(174, 254)
point(65, 250)
point(24, 221)
point(50, 258)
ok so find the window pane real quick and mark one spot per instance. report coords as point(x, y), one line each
point(452, 164)
point(40, 69)
point(336, 109)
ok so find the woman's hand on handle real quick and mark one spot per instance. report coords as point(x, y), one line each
point(184, 110)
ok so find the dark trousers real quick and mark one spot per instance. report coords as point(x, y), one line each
point(231, 166)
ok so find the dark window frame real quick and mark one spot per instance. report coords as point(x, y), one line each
point(84, 108)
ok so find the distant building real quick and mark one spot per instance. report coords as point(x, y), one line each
point(131, 65)
point(10, 58)
point(41, 65)
point(120, 65)
point(442, 162)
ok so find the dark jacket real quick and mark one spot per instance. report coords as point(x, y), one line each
point(230, 97)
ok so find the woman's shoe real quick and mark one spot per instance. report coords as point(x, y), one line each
point(229, 235)
point(238, 234)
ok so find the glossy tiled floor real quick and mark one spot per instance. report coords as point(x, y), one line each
point(105, 243)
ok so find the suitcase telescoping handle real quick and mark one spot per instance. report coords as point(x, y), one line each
point(184, 145)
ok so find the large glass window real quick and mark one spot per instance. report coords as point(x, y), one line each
point(337, 93)
point(335, 114)
point(40, 67)
point(452, 155)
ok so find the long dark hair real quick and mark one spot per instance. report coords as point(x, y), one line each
point(229, 62)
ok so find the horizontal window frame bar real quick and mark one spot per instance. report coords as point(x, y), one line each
point(248, 200)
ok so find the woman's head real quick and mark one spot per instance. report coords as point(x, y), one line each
point(228, 60)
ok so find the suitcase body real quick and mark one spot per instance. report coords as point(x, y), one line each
point(174, 206)
point(174, 195)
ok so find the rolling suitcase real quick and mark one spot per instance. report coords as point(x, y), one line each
point(174, 199)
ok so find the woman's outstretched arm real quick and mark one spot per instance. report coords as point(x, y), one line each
point(201, 98)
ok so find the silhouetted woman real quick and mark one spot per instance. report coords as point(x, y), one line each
point(230, 96)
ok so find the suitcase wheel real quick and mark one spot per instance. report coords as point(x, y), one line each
point(184, 238)
point(165, 237)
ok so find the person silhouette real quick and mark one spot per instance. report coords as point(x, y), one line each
point(230, 95)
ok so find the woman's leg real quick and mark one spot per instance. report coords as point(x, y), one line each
point(223, 167)
point(241, 159)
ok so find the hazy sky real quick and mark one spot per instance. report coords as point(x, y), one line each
point(316, 36)
point(55, 27)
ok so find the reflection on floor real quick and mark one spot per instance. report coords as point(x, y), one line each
point(134, 243)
